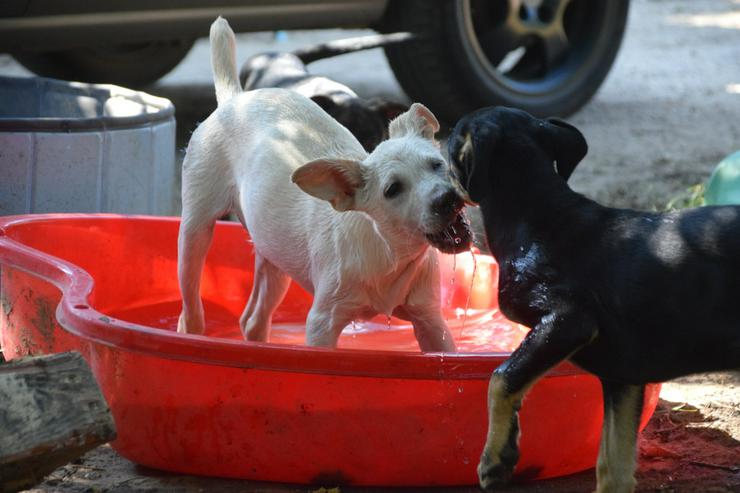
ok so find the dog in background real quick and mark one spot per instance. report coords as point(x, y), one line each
point(367, 119)
point(356, 230)
point(632, 297)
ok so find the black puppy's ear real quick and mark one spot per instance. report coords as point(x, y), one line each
point(327, 104)
point(470, 151)
point(564, 143)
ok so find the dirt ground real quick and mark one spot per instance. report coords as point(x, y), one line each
point(669, 111)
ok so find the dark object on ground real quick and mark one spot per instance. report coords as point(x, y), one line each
point(52, 412)
point(619, 292)
point(366, 119)
point(350, 45)
point(548, 57)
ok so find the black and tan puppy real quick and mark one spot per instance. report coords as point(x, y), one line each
point(367, 119)
point(632, 297)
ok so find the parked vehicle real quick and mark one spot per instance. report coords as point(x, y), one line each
point(545, 56)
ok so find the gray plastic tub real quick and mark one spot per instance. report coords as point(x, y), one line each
point(73, 147)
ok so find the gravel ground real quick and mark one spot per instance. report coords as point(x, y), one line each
point(669, 111)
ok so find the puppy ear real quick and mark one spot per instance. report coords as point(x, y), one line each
point(564, 143)
point(327, 104)
point(469, 150)
point(334, 180)
point(418, 120)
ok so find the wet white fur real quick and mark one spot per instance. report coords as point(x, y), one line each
point(373, 258)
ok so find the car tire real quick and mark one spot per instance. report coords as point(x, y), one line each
point(131, 65)
point(458, 62)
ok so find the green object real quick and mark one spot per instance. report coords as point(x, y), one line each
point(723, 187)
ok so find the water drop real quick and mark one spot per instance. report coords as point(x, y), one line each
point(388, 320)
point(452, 288)
point(457, 240)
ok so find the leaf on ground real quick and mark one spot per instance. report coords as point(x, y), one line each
point(685, 408)
point(653, 450)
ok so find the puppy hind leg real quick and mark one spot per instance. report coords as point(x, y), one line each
point(205, 198)
point(551, 341)
point(268, 291)
point(615, 469)
point(193, 242)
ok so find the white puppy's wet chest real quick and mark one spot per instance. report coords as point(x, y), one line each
point(385, 294)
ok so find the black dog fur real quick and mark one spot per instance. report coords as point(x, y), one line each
point(366, 119)
point(632, 297)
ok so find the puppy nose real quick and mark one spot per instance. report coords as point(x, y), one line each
point(447, 203)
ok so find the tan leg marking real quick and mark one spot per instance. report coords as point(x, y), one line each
point(496, 461)
point(615, 469)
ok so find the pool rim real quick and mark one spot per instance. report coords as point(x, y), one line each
point(77, 316)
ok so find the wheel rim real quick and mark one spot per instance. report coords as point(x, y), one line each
point(532, 48)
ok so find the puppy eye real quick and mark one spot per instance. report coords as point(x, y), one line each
point(393, 190)
point(436, 165)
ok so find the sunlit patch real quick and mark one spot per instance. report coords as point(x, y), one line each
point(666, 244)
point(722, 20)
point(511, 59)
point(466, 147)
point(732, 88)
point(464, 151)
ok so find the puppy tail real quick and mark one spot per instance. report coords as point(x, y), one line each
point(223, 60)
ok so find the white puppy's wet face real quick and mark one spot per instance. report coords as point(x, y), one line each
point(408, 186)
point(404, 184)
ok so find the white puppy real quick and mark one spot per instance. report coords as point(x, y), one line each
point(352, 229)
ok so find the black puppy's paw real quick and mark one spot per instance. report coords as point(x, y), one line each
point(495, 474)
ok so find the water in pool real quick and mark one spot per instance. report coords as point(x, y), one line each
point(480, 331)
point(469, 305)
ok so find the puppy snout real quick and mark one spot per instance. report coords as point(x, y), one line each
point(447, 203)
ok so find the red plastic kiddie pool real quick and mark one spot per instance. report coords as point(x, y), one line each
point(373, 412)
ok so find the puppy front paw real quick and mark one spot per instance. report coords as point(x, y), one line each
point(188, 325)
point(494, 474)
point(499, 457)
